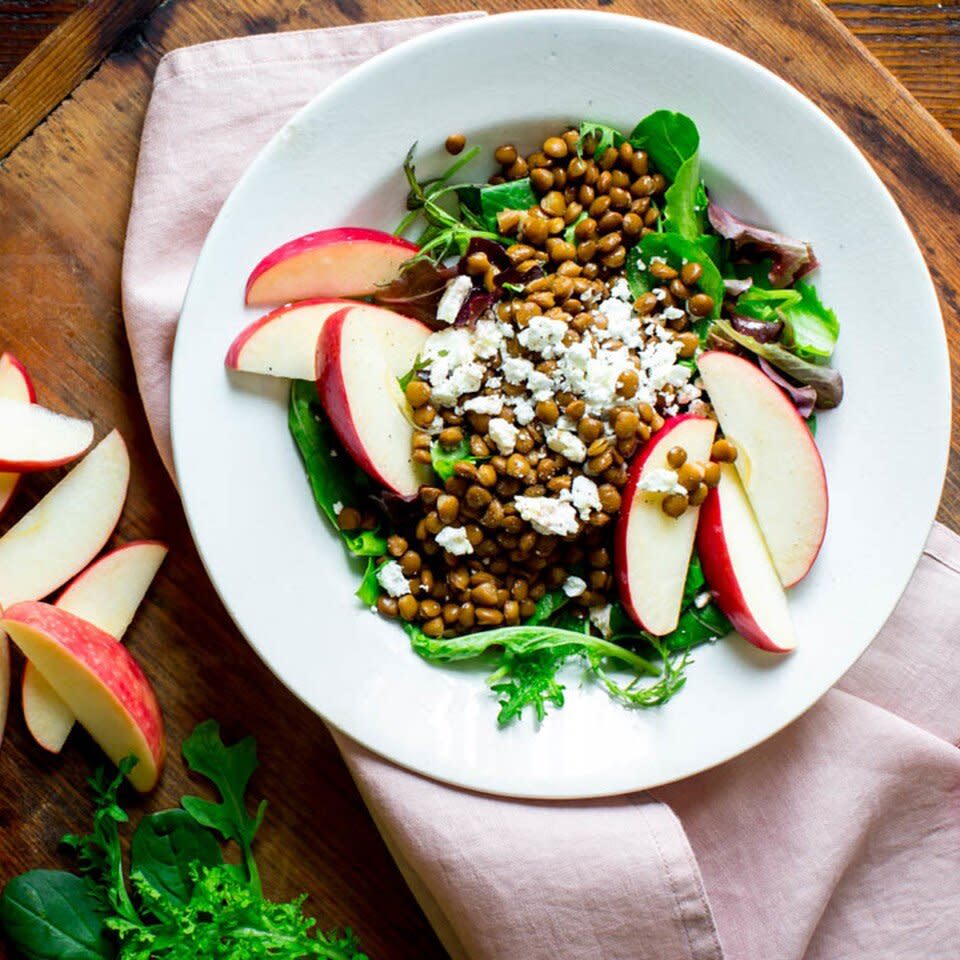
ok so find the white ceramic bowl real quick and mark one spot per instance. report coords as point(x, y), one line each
point(770, 155)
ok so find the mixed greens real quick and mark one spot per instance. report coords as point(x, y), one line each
point(182, 900)
point(761, 305)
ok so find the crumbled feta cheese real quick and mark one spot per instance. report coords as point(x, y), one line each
point(672, 313)
point(494, 383)
point(454, 297)
point(540, 385)
point(466, 378)
point(454, 540)
point(548, 515)
point(660, 480)
point(391, 578)
point(574, 586)
point(600, 618)
point(543, 335)
point(487, 338)
point(337, 507)
point(621, 289)
point(584, 496)
point(567, 444)
point(491, 405)
point(516, 370)
point(702, 599)
point(523, 411)
point(660, 293)
point(504, 435)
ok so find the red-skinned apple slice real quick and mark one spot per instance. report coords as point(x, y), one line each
point(652, 550)
point(361, 353)
point(778, 460)
point(106, 594)
point(98, 679)
point(57, 538)
point(15, 384)
point(739, 569)
point(283, 343)
point(343, 262)
point(34, 438)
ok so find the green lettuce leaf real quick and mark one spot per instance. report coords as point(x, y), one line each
point(606, 136)
point(812, 329)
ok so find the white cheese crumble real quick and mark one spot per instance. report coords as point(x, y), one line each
point(454, 297)
point(548, 515)
point(487, 338)
point(585, 496)
point(567, 444)
point(337, 508)
point(600, 618)
point(391, 578)
point(467, 378)
point(523, 411)
point(672, 313)
point(621, 289)
point(491, 405)
point(516, 370)
point(574, 586)
point(503, 434)
point(702, 599)
point(454, 540)
point(660, 480)
point(543, 335)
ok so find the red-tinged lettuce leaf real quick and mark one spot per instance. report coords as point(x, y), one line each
point(804, 398)
point(496, 253)
point(825, 380)
point(791, 259)
point(417, 291)
point(734, 286)
point(763, 331)
point(478, 302)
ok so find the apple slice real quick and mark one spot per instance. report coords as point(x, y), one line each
point(67, 528)
point(361, 353)
point(739, 569)
point(107, 594)
point(284, 342)
point(98, 679)
point(34, 438)
point(343, 262)
point(15, 384)
point(653, 550)
point(777, 460)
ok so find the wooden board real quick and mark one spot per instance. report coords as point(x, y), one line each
point(64, 195)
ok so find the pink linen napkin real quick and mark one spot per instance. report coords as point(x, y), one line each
point(838, 838)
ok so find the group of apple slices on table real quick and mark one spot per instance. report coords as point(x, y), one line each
point(76, 670)
point(760, 527)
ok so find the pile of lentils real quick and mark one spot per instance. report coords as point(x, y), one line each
point(477, 551)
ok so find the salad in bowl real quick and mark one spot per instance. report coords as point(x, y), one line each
point(569, 412)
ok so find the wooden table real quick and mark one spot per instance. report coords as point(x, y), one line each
point(64, 196)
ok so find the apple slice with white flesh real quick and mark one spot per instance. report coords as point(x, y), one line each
point(739, 568)
point(652, 550)
point(34, 438)
point(361, 354)
point(57, 538)
point(107, 594)
point(283, 343)
point(15, 384)
point(98, 679)
point(343, 262)
point(777, 459)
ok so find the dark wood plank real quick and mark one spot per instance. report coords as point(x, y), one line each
point(919, 42)
point(64, 193)
point(61, 61)
point(24, 23)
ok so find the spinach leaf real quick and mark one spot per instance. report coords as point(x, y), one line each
point(54, 915)
point(697, 626)
point(369, 589)
point(229, 769)
point(488, 200)
point(443, 461)
point(606, 136)
point(549, 604)
point(167, 847)
point(812, 329)
point(811, 423)
point(669, 138)
point(418, 365)
point(681, 212)
point(675, 249)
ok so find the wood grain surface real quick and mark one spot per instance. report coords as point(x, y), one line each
point(64, 197)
